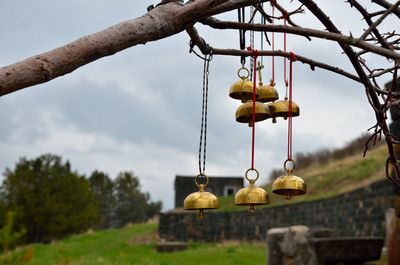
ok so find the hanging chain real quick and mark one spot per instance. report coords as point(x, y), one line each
point(203, 129)
point(252, 11)
point(242, 34)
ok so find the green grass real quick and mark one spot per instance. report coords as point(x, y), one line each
point(132, 245)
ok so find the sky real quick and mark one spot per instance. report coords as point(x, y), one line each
point(140, 109)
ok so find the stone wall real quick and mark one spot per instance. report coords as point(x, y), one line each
point(357, 213)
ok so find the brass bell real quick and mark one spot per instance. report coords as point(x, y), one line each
point(280, 108)
point(289, 185)
point(242, 89)
point(252, 195)
point(267, 93)
point(201, 200)
point(244, 114)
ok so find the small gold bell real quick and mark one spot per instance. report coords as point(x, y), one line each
point(280, 108)
point(242, 89)
point(267, 93)
point(289, 185)
point(201, 200)
point(244, 114)
point(252, 195)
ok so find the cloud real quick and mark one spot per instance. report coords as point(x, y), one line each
point(140, 109)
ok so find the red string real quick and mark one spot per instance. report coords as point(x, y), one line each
point(273, 43)
point(253, 131)
point(284, 49)
point(290, 114)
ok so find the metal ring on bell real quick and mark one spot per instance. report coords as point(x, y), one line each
point(252, 195)
point(201, 200)
point(289, 185)
point(242, 89)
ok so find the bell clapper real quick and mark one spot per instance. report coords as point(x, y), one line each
point(201, 214)
point(252, 209)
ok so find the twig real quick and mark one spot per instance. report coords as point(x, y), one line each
point(379, 20)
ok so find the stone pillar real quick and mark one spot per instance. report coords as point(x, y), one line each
point(392, 242)
point(394, 249)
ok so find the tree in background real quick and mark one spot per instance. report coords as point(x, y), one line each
point(132, 205)
point(52, 201)
point(102, 188)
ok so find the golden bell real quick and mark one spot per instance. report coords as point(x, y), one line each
point(244, 114)
point(280, 108)
point(267, 93)
point(252, 195)
point(289, 185)
point(201, 200)
point(242, 89)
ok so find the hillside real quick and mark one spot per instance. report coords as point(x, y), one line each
point(133, 245)
point(331, 178)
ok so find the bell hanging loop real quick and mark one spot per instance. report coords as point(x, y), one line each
point(289, 185)
point(242, 89)
point(201, 200)
point(252, 195)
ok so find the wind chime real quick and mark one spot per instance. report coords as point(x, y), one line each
point(202, 200)
point(289, 185)
point(253, 110)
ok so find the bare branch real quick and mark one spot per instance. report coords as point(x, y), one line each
point(313, 64)
point(367, 18)
point(387, 5)
point(379, 20)
point(217, 24)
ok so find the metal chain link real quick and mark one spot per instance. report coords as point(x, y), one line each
point(203, 128)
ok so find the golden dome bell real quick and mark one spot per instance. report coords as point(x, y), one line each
point(244, 114)
point(201, 200)
point(252, 195)
point(289, 185)
point(280, 108)
point(242, 89)
point(267, 93)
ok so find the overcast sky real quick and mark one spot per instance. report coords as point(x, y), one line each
point(139, 110)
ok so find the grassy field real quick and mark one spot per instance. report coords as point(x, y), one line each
point(132, 245)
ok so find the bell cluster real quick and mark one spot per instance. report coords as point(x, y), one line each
point(267, 103)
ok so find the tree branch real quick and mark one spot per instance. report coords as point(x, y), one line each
point(379, 20)
point(313, 64)
point(334, 36)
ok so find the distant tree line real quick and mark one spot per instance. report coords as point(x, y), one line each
point(48, 200)
point(321, 156)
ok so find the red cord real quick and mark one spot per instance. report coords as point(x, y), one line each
point(273, 44)
point(284, 50)
point(290, 114)
point(253, 131)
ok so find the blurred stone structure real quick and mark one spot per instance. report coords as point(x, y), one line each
point(357, 213)
point(301, 245)
point(219, 186)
